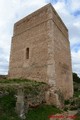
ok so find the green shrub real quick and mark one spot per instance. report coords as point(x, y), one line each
point(7, 107)
point(65, 109)
point(76, 78)
point(66, 102)
point(42, 112)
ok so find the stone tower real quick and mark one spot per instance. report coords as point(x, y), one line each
point(40, 50)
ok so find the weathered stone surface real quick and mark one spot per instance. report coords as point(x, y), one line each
point(46, 36)
point(20, 104)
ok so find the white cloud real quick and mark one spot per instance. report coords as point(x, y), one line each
point(75, 5)
point(77, 24)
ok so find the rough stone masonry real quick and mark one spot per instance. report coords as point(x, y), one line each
point(40, 50)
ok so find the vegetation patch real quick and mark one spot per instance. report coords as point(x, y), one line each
point(42, 112)
point(7, 107)
point(29, 86)
point(32, 89)
point(77, 116)
point(7, 110)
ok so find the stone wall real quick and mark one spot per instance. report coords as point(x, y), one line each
point(46, 36)
point(30, 33)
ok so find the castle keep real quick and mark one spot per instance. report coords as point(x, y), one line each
point(40, 50)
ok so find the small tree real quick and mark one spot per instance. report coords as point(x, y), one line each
point(76, 78)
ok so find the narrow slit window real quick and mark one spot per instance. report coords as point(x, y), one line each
point(27, 53)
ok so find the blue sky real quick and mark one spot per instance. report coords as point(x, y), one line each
point(13, 10)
